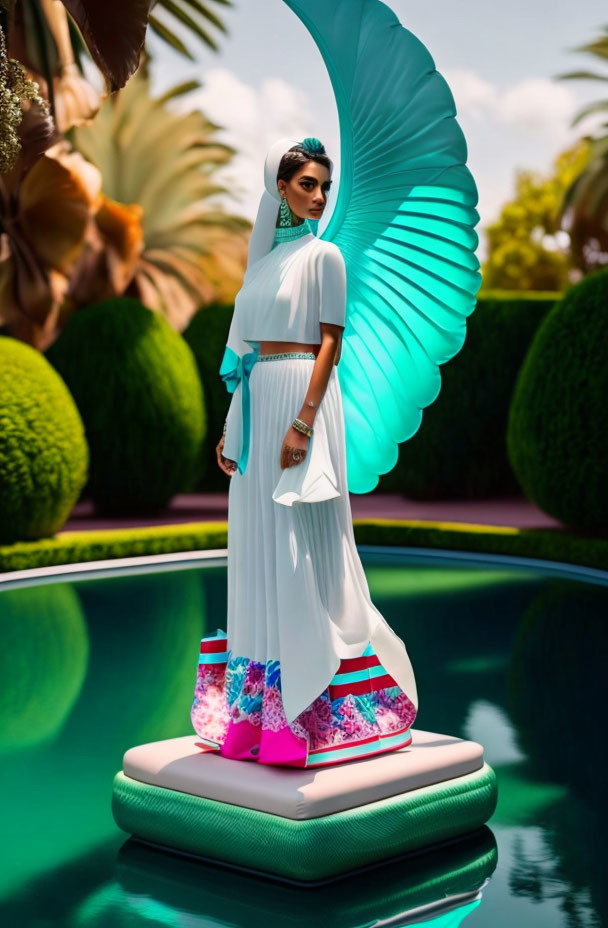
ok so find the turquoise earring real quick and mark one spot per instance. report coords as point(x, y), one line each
point(285, 217)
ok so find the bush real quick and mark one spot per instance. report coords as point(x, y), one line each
point(556, 434)
point(43, 451)
point(207, 335)
point(135, 382)
point(460, 451)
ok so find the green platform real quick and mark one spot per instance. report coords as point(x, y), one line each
point(310, 850)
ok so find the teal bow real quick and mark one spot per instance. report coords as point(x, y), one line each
point(233, 369)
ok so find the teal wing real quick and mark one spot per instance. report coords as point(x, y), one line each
point(404, 221)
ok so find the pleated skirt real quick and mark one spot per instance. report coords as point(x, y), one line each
point(309, 673)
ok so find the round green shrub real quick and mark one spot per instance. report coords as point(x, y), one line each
point(136, 385)
point(557, 427)
point(43, 450)
point(207, 335)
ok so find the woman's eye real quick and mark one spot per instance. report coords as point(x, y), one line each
point(307, 184)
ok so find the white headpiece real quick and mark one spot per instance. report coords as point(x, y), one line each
point(262, 234)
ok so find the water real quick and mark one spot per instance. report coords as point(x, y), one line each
point(512, 657)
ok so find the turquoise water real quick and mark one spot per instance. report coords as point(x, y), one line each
point(512, 657)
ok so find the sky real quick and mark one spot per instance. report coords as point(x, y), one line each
point(500, 60)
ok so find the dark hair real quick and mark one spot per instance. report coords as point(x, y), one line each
point(310, 149)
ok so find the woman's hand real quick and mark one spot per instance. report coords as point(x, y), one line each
point(223, 463)
point(293, 441)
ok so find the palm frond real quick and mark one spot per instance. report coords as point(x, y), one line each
point(155, 25)
point(165, 161)
point(203, 10)
point(178, 10)
point(596, 107)
point(179, 90)
point(581, 75)
point(182, 16)
point(599, 48)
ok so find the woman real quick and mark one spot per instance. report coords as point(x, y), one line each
point(309, 673)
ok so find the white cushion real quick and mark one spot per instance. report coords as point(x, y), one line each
point(180, 764)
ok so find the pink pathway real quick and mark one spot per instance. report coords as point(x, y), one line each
point(200, 507)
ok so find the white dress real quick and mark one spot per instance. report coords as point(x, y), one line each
point(309, 672)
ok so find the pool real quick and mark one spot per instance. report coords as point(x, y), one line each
point(511, 654)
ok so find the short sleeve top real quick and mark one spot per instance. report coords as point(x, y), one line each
point(331, 284)
point(287, 293)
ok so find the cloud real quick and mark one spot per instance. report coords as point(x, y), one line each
point(534, 108)
point(528, 120)
point(521, 126)
point(252, 118)
point(538, 106)
point(472, 94)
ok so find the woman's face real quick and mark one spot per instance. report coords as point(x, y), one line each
point(307, 190)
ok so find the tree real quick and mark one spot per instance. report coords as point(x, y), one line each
point(584, 211)
point(42, 37)
point(527, 247)
point(65, 242)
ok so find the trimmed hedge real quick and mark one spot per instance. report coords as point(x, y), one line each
point(136, 385)
point(43, 451)
point(459, 451)
point(557, 435)
point(77, 547)
point(207, 335)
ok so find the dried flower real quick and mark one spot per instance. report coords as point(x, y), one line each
point(16, 89)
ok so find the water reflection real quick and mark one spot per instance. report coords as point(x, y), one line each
point(556, 695)
point(557, 685)
point(143, 633)
point(142, 637)
point(513, 659)
point(44, 652)
point(520, 667)
point(151, 887)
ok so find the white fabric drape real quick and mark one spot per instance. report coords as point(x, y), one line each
point(297, 591)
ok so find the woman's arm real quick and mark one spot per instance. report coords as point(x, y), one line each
point(329, 352)
point(224, 464)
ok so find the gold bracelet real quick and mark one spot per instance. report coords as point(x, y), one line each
point(302, 427)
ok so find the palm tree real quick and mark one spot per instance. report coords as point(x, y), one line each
point(166, 245)
point(41, 36)
point(44, 50)
point(124, 212)
point(157, 167)
point(584, 211)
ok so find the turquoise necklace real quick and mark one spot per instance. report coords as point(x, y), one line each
point(290, 233)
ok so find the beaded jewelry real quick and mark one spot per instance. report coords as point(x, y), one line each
point(285, 214)
point(302, 427)
point(290, 233)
